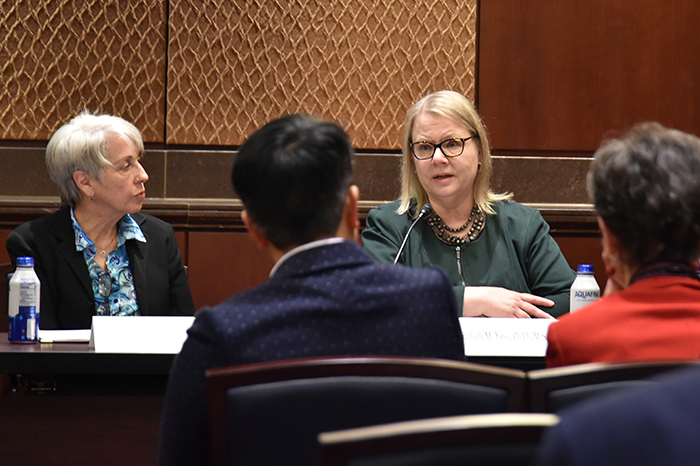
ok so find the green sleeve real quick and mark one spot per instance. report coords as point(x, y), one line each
point(549, 274)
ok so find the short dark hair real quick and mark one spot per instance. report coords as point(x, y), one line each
point(646, 187)
point(292, 176)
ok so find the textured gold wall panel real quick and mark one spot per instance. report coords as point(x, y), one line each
point(235, 65)
point(59, 57)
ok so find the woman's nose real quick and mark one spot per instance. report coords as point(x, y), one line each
point(142, 176)
point(441, 157)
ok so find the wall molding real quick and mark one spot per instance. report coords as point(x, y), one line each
point(225, 215)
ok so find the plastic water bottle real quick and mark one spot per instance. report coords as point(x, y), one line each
point(585, 289)
point(23, 303)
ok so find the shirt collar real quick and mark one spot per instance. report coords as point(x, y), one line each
point(128, 229)
point(305, 247)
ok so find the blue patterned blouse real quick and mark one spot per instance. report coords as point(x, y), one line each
point(114, 288)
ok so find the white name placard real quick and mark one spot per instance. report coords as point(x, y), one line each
point(504, 337)
point(141, 334)
point(64, 336)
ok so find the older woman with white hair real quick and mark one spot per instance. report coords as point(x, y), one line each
point(498, 253)
point(97, 255)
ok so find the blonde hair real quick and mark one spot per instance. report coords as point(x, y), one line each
point(458, 108)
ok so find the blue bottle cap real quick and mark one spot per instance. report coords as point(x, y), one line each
point(585, 268)
point(25, 261)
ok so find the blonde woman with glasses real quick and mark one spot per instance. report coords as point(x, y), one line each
point(499, 254)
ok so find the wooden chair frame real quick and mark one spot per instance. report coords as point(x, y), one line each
point(340, 447)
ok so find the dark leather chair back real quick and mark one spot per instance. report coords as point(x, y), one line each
point(551, 390)
point(271, 413)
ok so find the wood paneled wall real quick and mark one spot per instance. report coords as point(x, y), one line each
point(556, 77)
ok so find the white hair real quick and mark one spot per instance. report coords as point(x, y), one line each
point(80, 144)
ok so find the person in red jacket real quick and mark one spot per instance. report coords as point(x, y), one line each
point(646, 192)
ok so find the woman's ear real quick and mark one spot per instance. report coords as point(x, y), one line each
point(84, 182)
point(617, 272)
point(611, 243)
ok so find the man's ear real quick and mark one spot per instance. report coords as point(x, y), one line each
point(352, 200)
point(84, 183)
point(254, 232)
point(349, 227)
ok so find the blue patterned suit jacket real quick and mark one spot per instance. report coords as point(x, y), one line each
point(328, 300)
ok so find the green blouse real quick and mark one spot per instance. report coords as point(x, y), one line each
point(514, 251)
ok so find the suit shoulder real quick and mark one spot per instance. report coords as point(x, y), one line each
point(388, 207)
point(387, 210)
point(521, 220)
point(510, 208)
point(235, 310)
point(385, 215)
point(49, 221)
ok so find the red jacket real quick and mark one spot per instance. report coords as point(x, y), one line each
point(654, 318)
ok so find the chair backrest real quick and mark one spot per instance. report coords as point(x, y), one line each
point(271, 413)
point(488, 439)
point(551, 390)
point(5, 269)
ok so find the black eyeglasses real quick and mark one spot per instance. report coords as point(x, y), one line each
point(453, 147)
point(104, 288)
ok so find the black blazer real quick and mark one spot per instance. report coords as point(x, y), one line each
point(67, 301)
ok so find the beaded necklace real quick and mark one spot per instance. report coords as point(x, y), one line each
point(444, 233)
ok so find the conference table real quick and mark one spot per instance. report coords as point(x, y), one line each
point(64, 403)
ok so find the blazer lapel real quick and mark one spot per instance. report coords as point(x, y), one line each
point(62, 229)
point(138, 257)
